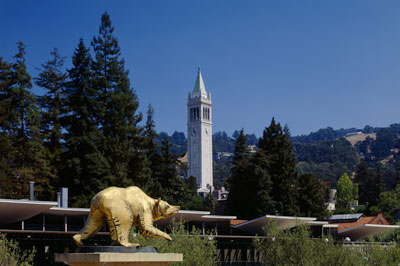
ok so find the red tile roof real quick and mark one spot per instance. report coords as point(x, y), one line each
point(379, 219)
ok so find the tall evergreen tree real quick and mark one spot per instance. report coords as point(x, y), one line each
point(117, 115)
point(85, 170)
point(261, 185)
point(238, 199)
point(7, 110)
point(7, 113)
point(378, 186)
point(250, 183)
point(53, 80)
point(172, 187)
point(26, 162)
point(364, 178)
point(312, 196)
point(152, 155)
point(277, 146)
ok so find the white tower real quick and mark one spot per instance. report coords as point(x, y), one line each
point(200, 135)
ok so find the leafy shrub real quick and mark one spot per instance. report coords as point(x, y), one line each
point(12, 255)
point(196, 249)
point(295, 247)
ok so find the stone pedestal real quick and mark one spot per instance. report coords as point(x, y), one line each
point(118, 259)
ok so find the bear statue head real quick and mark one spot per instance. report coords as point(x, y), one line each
point(163, 210)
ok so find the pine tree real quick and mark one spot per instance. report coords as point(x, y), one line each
point(378, 186)
point(26, 161)
point(152, 156)
point(238, 199)
point(364, 178)
point(312, 193)
point(172, 186)
point(261, 185)
point(278, 148)
point(85, 170)
point(53, 80)
point(117, 115)
point(7, 112)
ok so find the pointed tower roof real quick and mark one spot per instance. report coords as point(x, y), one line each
point(199, 88)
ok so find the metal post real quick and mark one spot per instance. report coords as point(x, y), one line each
point(64, 197)
point(31, 190)
point(65, 223)
point(44, 222)
point(59, 199)
point(203, 228)
point(23, 225)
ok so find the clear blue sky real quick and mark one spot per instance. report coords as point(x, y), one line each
point(311, 64)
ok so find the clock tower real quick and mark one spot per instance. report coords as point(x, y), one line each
point(199, 123)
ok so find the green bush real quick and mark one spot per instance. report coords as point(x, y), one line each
point(295, 247)
point(12, 255)
point(196, 249)
point(382, 255)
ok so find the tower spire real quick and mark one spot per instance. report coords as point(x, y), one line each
point(199, 88)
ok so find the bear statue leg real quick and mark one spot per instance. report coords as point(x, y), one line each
point(113, 223)
point(119, 230)
point(147, 228)
point(123, 235)
point(92, 226)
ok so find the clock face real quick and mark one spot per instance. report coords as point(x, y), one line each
point(206, 132)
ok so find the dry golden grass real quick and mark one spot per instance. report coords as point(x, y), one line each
point(361, 137)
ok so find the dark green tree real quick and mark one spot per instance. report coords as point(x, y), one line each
point(85, 169)
point(20, 124)
point(7, 110)
point(312, 193)
point(172, 185)
point(117, 115)
point(53, 80)
point(378, 186)
point(191, 200)
point(7, 113)
point(238, 183)
point(386, 139)
point(389, 204)
point(260, 186)
point(364, 178)
point(151, 150)
point(278, 149)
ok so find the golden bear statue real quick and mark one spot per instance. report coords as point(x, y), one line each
point(123, 208)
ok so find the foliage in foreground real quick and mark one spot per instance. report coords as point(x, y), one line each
point(295, 247)
point(197, 250)
point(12, 255)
